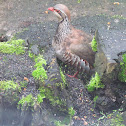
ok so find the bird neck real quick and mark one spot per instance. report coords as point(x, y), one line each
point(63, 30)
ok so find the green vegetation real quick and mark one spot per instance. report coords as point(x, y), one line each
point(8, 85)
point(94, 44)
point(78, 1)
point(27, 101)
point(12, 46)
point(23, 84)
point(117, 120)
point(95, 99)
point(71, 113)
point(48, 93)
point(40, 98)
point(118, 16)
point(67, 119)
point(9, 90)
point(63, 79)
point(95, 83)
point(31, 55)
point(122, 73)
point(39, 73)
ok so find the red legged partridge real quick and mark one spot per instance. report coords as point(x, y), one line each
point(72, 46)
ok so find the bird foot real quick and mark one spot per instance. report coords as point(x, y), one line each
point(74, 76)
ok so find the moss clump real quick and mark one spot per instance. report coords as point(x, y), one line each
point(63, 79)
point(8, 85)
point(95, 99)
point(95, 83)
point(122, 73)
point(94, 44)
point(12, 46)
point(78, 1)
point(40, 98)
point(118, 16)
point(48, 93)
point(26, 102)
point(9, 90)
point(39, 73)
point(117, 120)
point(67, 120)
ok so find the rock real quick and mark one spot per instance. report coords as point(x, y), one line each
point(111, 44)
point(35, 49)
point(3, 37)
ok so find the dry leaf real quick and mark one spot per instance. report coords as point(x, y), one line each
point(94, 115)
point(109, 117)
point(85, 123)
point(76, 117)
point(24, 89)
point(26, 79)
point(80, 99)
point(116, 3)
point(46, 12)
point(83, 119)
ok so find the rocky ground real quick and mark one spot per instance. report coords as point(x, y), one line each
point(31, 22)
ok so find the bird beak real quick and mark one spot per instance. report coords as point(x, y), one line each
point(51, 9)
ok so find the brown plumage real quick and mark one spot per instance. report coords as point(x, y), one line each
point(72, 46)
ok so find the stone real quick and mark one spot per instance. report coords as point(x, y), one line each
point(35, 49)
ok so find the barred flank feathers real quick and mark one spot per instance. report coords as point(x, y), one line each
point(74, 60)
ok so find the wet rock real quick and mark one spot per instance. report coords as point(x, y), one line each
point(3, 37)
point(111, 42)
point(35, 49)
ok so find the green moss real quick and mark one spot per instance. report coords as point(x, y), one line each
point(71, 113)
point(9, 90)
point(67, 119)
point(8, 85)
point(40, 98)
point(48, 93)
point(95, 83)
point(78, 1)
point(122, 73)
point(39, 73)
point(12, 46)
point(95, 99)
point(27, 101)
point(31, 55)
point(118, 16)
point(63, 79)
point(58, 123)
point(23, 84)
point(117, 120)
point(94, 44)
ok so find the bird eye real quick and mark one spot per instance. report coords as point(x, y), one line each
point(57, 11)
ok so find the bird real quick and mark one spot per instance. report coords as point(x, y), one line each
point(72, 46)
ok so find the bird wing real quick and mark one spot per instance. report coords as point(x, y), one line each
point(79, 43)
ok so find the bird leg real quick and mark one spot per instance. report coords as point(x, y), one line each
point(74, 76)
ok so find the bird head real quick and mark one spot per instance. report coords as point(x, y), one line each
point(61, 11)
